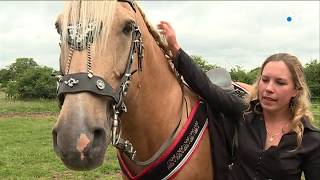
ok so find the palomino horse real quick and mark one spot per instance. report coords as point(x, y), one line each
point(105, 46)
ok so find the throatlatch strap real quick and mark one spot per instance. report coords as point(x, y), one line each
point(181, 150)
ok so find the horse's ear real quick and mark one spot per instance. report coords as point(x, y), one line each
point(58, 24)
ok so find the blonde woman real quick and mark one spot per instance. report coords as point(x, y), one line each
point(275, 137)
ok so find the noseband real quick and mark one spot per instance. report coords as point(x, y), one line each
point(88, 82)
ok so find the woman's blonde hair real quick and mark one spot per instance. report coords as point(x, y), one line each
point(300, 104)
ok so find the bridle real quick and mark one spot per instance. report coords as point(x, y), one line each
point(88, 82)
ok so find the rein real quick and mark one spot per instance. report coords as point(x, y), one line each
point(166, 144)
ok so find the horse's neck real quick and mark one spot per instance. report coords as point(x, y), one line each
point(157, 106)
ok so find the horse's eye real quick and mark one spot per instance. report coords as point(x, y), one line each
point(127, 28)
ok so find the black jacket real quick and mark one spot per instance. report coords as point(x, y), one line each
point(252, 161)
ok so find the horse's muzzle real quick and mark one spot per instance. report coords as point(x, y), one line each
point(80, 150)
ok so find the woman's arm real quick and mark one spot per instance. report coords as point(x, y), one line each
point(217, 98)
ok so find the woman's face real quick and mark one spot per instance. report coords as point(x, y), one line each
point(276, 87)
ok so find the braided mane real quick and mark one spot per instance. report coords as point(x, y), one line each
point(157, 37)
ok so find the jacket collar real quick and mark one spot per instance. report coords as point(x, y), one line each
point(308, 125)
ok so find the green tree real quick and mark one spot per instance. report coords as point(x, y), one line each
point(26, 79)
point(37, 83)
point(312, 75)
point(20, 66)
point(238, 74)
point(202, 63)
point(4, 77)
point(252, 75)
point(11, 89)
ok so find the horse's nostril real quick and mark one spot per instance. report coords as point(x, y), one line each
point(63, 155)
point(99, 137)
point(54, 138)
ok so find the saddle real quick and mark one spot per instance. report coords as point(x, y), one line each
point(222, 78)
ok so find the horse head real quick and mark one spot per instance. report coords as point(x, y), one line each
point(98, 44)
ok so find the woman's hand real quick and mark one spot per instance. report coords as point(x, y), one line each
point(166, 29)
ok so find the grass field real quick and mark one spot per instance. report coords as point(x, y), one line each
point(26, 144)
point(14, 106)
point(316, 112)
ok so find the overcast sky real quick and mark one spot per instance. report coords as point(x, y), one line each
point(225, 33)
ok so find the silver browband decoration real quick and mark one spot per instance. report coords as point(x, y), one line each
point(79, 37)
point(71, 82)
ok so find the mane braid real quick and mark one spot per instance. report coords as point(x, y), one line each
point(157, 37)
point(161, 42)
